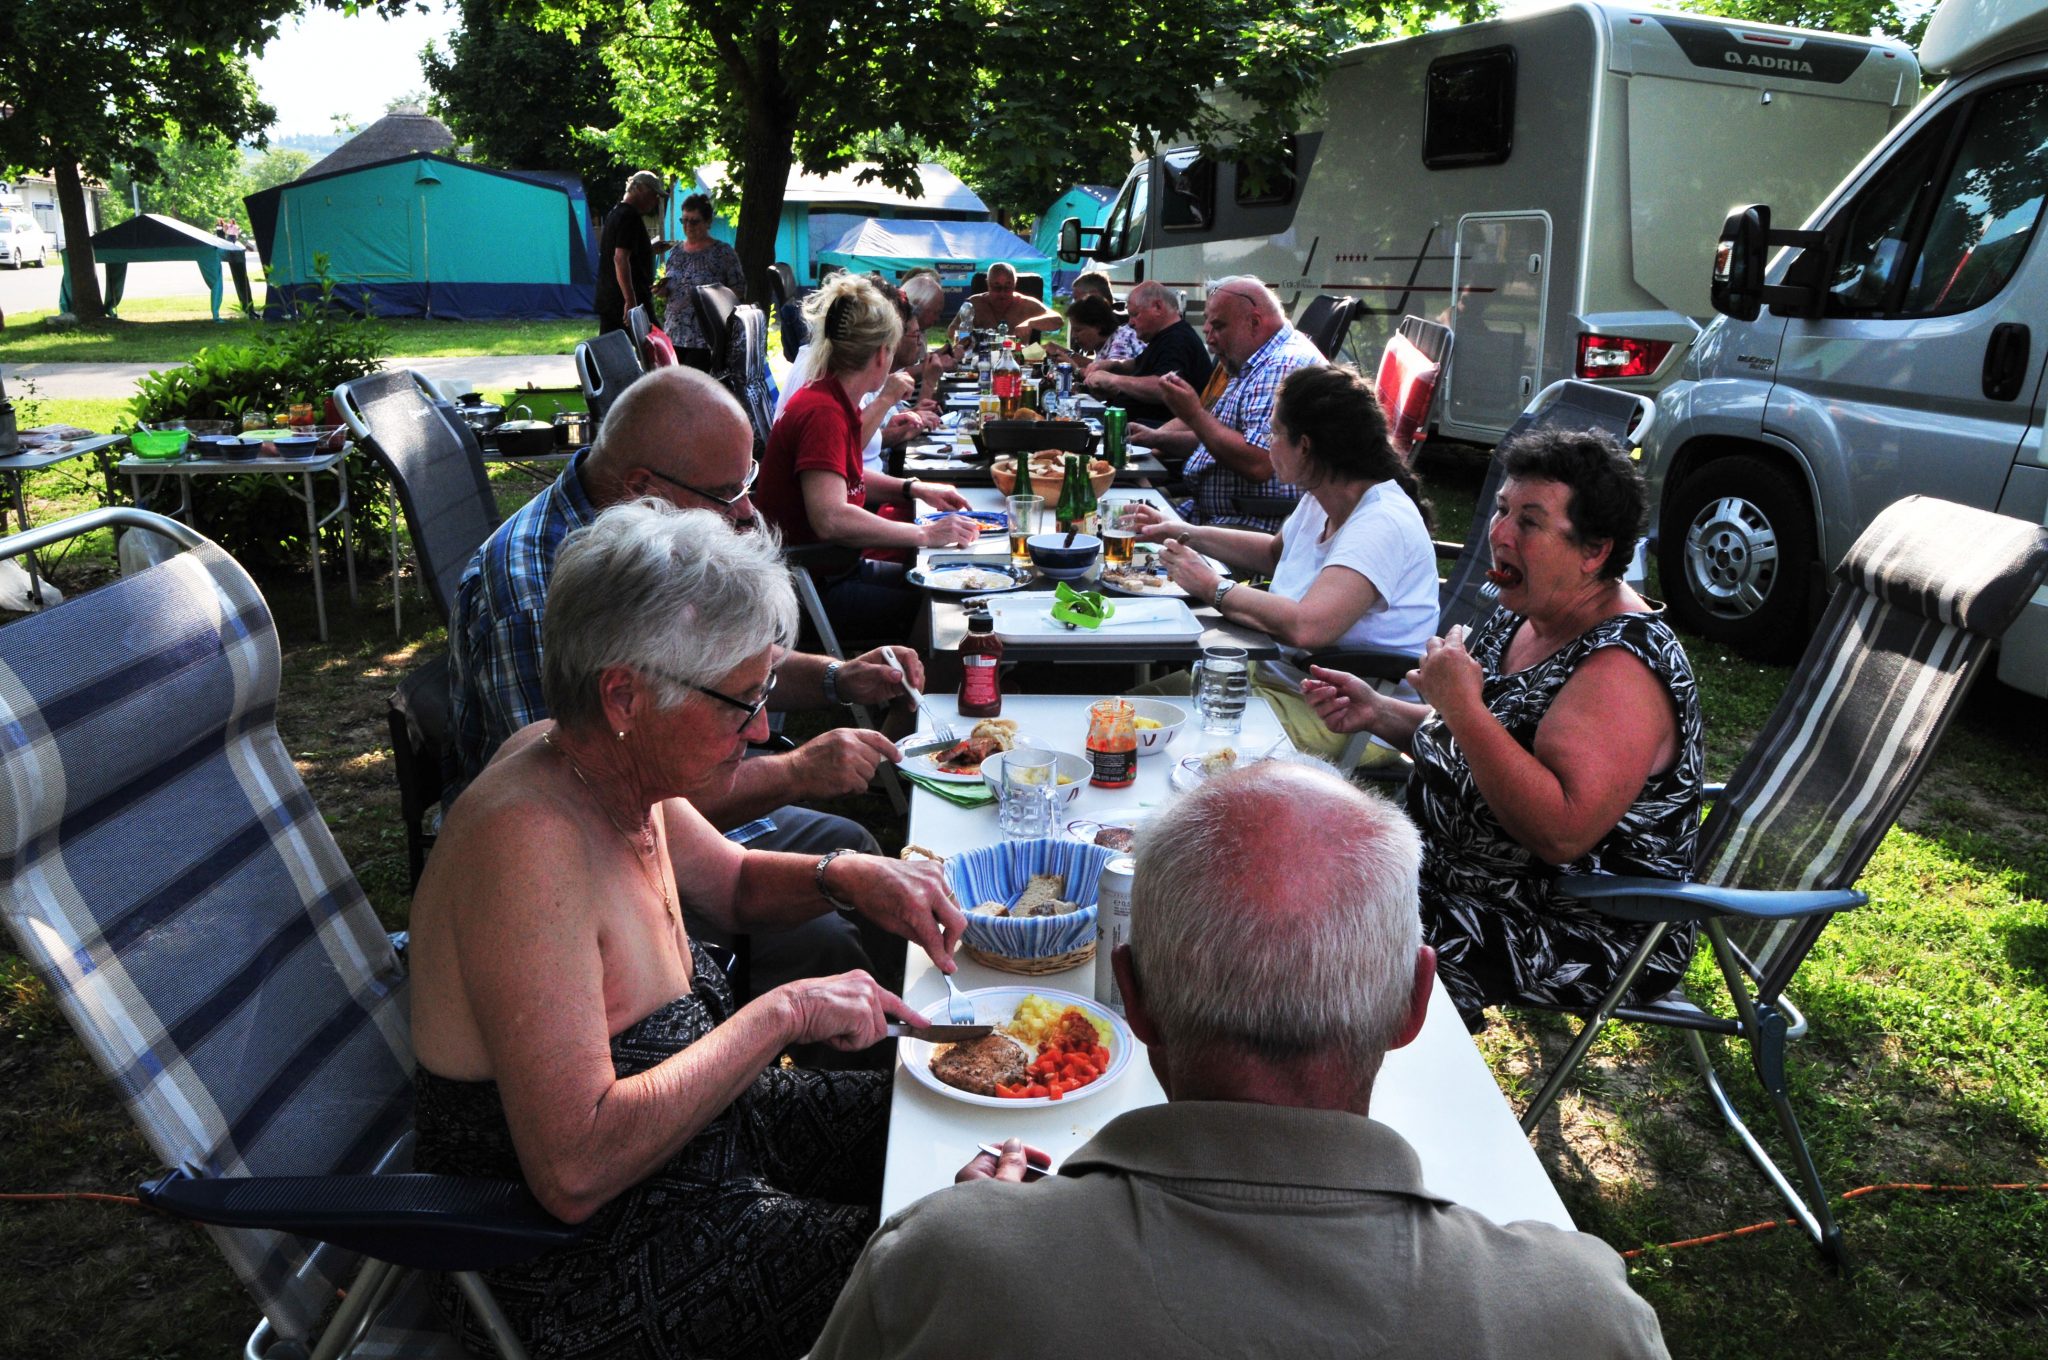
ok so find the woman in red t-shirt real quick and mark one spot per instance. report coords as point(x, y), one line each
point(814, 486)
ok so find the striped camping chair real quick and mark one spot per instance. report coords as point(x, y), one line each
point(1924, 593)
point(169, 878)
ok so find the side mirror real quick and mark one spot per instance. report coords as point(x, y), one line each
point(1737, 288)
point(1070, 241)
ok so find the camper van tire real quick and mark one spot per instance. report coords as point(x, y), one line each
point(1737, 557)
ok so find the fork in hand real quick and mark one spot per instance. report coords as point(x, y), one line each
point(941, 731)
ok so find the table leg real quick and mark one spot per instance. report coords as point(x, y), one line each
point(313, 533)
point(397, 580)
point(348, 529)
point(35, 588)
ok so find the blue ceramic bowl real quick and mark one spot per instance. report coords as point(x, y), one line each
point(1050, 555)
point(1000, 872)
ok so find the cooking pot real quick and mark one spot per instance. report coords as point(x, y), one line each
point(524, 438)
point(478, 414)
point(572, 429)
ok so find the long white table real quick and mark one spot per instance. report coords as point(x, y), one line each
point(1437, 1092)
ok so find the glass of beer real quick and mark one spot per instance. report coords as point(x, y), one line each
point(1023, 523)
point(1119, 532)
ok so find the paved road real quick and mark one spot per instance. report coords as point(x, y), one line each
point(32, 290)
point(502, 372)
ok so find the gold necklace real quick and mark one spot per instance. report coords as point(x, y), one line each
point(643, 845)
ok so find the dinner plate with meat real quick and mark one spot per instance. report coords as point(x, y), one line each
point(960, 763)
point(1044, 1039)
point(960, 578)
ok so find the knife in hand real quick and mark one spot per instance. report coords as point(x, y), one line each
point(937, 1034)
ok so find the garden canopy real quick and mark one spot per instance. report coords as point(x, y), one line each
point(152, 236)
point(956, 249)
point(1090, 203)
point(424, 235)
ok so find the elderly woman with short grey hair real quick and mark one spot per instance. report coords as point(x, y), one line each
point(569, 1032)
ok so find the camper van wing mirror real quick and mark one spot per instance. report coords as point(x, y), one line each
point(1737, 289)
point(1071, 235)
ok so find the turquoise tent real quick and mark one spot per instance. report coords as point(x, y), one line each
point(1090, 203)
point(153, 236)
point(818, 209)
point(956, 249)
point(424, 235)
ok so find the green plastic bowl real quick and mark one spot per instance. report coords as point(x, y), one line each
point(159, 443)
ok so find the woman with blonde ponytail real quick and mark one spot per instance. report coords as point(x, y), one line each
point(814, 486)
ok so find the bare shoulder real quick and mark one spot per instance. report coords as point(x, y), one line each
point(510, 843)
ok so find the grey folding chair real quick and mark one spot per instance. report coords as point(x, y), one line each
point(829, 558)
point(169, 878)
point(639, 322)
point(605, 367)
point(715, 304)
point(746, 370)
point(1924, 592)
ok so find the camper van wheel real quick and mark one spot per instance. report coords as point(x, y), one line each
point(1737, 556)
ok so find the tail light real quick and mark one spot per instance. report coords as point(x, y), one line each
point(1620, 356)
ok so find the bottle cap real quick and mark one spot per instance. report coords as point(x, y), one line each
point(981, 623)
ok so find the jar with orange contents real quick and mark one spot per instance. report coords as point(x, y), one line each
point(1112, 744)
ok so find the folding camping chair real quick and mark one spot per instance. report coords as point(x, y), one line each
point(1924, 592)
point(745, 374)
point(1326, 320)
point(605, 367)
point(171, 881)
point(1414, 359)
point(788, 310)
point(715, 303)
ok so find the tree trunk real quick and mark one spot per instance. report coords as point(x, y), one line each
point(770, 152)
point(78, 262)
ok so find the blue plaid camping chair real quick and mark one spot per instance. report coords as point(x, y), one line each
point(170, 879)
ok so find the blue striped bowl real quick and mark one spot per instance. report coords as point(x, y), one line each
point(999, 873)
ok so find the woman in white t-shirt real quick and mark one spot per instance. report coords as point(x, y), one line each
point(1353, 566)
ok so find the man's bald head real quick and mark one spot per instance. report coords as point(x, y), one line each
point(672, 430)
point(1241, 315)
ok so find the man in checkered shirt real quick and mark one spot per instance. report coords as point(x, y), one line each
point(1227, 446)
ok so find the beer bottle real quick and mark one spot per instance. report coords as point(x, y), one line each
point(1084, 495)
point(1067, 514)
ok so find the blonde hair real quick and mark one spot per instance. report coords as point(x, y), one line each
point(849, 319)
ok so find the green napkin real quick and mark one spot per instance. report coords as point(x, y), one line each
point(977, 794)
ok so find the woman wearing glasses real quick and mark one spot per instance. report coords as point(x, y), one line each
point(815, 486)
point(694, 260)
point(569, 1032)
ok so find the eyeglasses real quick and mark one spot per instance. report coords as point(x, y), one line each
point(746, 485)
point(751, 709)
point(692, 220)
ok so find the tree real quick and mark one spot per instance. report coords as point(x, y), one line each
point(199, 179)
point(87, 84)
point(277, 165)
point(1035, 86)
point(496, 49)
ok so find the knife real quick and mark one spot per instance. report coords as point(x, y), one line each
point(938, 1034)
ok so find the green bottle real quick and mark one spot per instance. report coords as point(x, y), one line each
point(1067, 514)
point(1084, 491)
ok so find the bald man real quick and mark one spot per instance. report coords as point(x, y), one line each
point(678, 436)
point(1227, 444)
point(1026, 316)
point(1261, 1210)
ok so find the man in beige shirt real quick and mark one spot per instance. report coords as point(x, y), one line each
point(1261, 1211)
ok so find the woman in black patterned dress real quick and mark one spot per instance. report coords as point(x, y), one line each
point(569, 1032)
point(1562, 736)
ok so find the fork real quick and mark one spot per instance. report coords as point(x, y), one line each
point(958, 1008)
point(941, 731)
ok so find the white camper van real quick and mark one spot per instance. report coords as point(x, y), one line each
point(1890, 349)
point(1544, 183)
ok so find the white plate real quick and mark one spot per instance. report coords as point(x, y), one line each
point(958, 578)
point(1188, 773)
point(924, 766)
point(995, 1005)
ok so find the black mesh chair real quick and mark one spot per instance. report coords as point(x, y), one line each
point(714, 303)
point(639, 324)
point(1923, 594)
point(1325, 321)
point(746, 370)
point(1032, 285)
point(606, 367)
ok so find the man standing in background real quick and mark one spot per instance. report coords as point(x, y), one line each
point(625, 272)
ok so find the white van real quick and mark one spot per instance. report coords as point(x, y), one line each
point(1543, 183)
point(1890, 349)
point(24, 242)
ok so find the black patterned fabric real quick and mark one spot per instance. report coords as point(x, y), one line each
point(1489, 906)
point(736, 1248)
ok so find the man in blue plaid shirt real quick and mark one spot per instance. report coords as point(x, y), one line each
point(1226, 447)
point(678, 436)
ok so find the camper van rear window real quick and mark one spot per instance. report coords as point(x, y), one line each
point(1189, 203)
point(1469, 112)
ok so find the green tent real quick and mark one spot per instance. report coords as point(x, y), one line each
point(153, 236)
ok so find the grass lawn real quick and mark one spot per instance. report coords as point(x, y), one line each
point(1928, 1062)
point(170, 330)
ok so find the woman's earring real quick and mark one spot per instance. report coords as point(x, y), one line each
point(622, 734)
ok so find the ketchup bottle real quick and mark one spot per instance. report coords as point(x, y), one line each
point(981, 661)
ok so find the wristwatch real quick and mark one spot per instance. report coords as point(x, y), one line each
point(832, 899)
point(1223, 587)
point(832, 683)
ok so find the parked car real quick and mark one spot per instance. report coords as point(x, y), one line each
point(1887, 350)
point(23, 241)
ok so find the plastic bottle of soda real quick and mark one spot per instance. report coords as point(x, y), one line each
point(981, 669)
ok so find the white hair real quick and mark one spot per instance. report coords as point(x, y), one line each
point(677, 595)
point(1316, 955)
point(924, 291)
point(1253, 290)
point(1002, 267)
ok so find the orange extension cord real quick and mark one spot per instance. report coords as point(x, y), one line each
point(1858, 1193)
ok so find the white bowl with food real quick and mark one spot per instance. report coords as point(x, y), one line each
point(1158, 723)
point(1025, 1017)
point(1069, 770)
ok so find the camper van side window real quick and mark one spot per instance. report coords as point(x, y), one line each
point(1468, 113)
point(1189, 203)
point(1272, 183)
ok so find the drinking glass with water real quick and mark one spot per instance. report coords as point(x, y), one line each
point(1222, 682)
point(1027, 793)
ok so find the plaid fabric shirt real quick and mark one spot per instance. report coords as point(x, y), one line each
point(1122, 344)
point(1247, 407)
point(494, 637)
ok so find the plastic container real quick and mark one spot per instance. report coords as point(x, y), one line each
point(981, 669)
point(164, 445)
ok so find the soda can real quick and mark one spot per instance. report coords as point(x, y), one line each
point(1115, 421)
point(1112, 926)
point(1065, 374)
